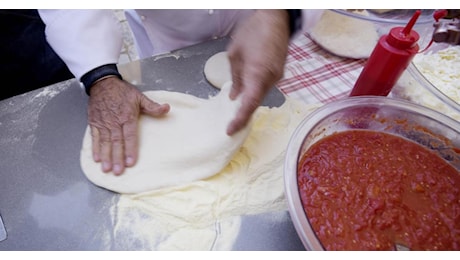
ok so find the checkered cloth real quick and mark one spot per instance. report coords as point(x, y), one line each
point(314, 75)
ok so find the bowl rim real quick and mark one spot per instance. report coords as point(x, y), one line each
point(422, 80)
point(420, 20)
point(298, 216)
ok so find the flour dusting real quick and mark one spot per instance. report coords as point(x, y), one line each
point(206, 214)
point(21, 113)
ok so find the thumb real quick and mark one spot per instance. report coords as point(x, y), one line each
point(153, 108)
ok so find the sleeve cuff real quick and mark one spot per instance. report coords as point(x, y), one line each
point(103, 71)
point(295, 20)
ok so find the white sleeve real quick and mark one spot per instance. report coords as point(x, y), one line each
point(84, 39)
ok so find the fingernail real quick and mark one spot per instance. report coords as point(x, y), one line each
point(106, 166)
point(129, 161)
point(117, 169)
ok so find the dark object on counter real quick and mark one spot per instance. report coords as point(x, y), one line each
point(27, 60)
point(448, 29)
point(387, 62)
point(453, 13)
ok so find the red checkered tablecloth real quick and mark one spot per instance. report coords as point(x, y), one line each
point(314, 75)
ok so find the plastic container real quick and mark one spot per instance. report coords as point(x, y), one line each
point(415, 86)
point(385, 20)
point(353, 33)
point(421, 124)
point(389, 59)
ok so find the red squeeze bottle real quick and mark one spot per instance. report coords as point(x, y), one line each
point(388, 60)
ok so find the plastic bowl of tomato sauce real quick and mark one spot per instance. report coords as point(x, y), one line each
point(375, 173)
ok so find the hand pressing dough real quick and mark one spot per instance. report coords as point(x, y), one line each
point(345, 36)
point(213, 209)
point(217, 69)
point(188, 144)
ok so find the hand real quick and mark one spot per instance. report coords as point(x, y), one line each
point(257, 56)
point(113, 113)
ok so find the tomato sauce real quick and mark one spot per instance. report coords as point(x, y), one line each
point(366, 190)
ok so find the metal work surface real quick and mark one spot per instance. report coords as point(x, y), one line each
point(46, 202)
point(2, 230)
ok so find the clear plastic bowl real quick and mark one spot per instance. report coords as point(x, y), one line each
point(386, 19)
point(416, 87)
point(420, 124)
point(392, 16)
point(354, 33)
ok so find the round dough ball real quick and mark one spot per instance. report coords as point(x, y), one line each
point(345, 36)
point(189, 143)
point(217, 69)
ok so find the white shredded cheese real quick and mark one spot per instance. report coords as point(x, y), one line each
point(442, 69)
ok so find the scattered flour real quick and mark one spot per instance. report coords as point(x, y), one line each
point(48, 92)
point(20, 114)
point(206, 214)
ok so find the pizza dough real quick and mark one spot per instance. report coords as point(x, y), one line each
point(189, 143)
point(217, 69)
point(207, 214)
point(345, 36)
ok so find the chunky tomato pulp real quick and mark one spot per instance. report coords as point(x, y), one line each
point(366, 190)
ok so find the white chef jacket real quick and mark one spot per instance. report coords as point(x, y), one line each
point(160, 31)
point(86, 39)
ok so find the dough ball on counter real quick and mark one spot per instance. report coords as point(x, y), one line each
point(217, 69)
point(188, 144)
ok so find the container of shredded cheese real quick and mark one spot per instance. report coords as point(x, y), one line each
point(433, 80)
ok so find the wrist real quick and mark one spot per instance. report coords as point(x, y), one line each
point(98, 74)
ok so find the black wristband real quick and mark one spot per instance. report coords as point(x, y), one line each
point(93, 75)
point(295, 20)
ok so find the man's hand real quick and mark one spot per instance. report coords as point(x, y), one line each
point(113, 113)
point(257, 56)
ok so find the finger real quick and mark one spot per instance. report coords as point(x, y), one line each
point(95, 144)
point(105, 147)
point(118, 162)
point(236, 65)
point(130, 137)
point(243, 115)
point(153, 108)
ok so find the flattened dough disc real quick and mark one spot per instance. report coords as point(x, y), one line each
point(345, 36)
point(188, 144)
point(217, 69)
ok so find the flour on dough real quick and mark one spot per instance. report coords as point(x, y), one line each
point(206, 214)
point(188, 144)
point(345, 36)
point(217, 69)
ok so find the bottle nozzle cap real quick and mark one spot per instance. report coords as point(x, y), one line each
point(404, 37)
point(411, 23)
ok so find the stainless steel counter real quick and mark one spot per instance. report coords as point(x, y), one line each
point(46, 202)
